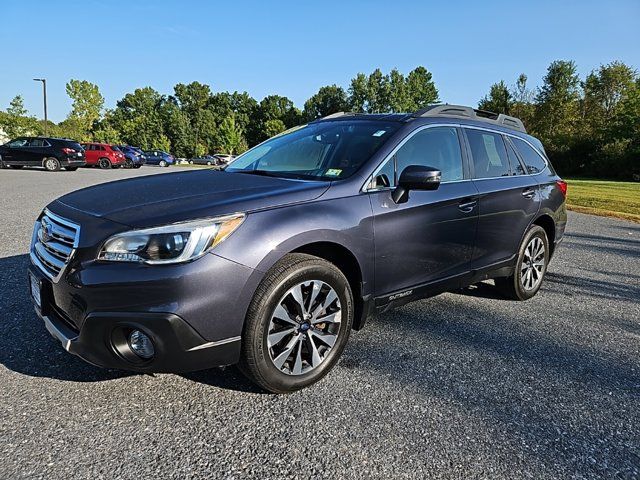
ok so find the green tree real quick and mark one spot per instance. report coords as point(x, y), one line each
point(274, 127)
point(522, 105)
point(328, 100)
point(557, 102)
point(499, 99)
point(86, 106)
point(421, 89)
point(231, 137)
point(16, 122)
point(138, 118)
point(393, 92)
point(359, 93)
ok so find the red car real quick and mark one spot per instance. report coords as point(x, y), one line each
point(103, 155)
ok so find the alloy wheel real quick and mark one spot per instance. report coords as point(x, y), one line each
point(304, 327)
point(533, 264)
point(51, 164)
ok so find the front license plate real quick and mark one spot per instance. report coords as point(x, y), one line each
point(35, 290)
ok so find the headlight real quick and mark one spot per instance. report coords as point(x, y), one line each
point(179, 242)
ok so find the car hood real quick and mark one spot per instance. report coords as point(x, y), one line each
point(174, 197)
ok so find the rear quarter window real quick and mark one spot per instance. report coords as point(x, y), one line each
point(533, 161)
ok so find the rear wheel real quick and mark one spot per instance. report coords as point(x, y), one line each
point(533, 258)
point(297, 325)
point(104, 163)
point(51, 164)
point(128, 163)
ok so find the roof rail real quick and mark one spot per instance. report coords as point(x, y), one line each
point(472, 114)
point(334, 115)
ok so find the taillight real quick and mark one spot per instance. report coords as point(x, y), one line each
point(562, 186)
point(68, 151)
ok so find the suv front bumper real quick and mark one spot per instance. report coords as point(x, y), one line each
point(92, 310)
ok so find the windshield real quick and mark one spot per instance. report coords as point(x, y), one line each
point(319, 151)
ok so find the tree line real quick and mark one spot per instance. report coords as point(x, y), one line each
point(590, 127)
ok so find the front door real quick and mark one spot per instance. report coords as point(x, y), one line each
point(431, 236)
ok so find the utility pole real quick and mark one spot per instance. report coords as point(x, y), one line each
point(44, 93)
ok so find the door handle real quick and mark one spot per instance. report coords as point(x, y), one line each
point(528, 192)
point(467, 206)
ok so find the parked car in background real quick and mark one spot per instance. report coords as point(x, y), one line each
point(226, 158)
point(206, 160)
point(50, 153)
point(272, 262)
point(134, 156)
point(103, 155)
point(158, 157)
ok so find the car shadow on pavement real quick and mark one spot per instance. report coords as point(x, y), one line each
point(523, 381)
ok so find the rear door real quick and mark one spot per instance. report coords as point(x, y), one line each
point(508, 198)
point(37, 151)
point(91, 154)
point(429, 237)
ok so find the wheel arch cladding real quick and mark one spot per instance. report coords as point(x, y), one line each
point(549, 226)
point(346, 262)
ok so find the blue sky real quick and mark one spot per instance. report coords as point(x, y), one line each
point(293, 48)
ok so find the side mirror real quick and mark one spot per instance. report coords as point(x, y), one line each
point(416, 177)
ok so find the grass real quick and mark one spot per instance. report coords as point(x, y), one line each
point(606, 198)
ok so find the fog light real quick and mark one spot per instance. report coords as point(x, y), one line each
point(141, 344)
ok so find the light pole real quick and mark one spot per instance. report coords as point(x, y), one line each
point(44, 93)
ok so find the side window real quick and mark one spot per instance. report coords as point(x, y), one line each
point(386, 175)
point(19, 142)
point(36, 142)
point(532, 159)
point(436, 147)
point(516, 166)
point(489, 154)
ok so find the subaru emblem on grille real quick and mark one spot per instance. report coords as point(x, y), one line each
point(47, 229)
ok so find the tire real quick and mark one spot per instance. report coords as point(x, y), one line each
point(70, 169)
point(279, 366)
point(530, 269)
point(163, 163)
point(105, 163)
point(137, 166)
point(208, 163)
point(128, 163)
point(51, 164)
point(2, 165)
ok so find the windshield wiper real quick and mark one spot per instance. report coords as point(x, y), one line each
point(264, 173)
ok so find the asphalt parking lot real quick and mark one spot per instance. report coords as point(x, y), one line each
point(464, 385)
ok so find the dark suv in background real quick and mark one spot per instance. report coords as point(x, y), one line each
point(49, 153)
point(271, 262)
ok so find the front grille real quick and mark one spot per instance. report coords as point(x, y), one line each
point(54, 241)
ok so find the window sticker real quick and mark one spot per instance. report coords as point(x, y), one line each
point(379, 133)
point(333, 172)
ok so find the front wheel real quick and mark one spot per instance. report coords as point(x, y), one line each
point(297, 325)
point(163, 163)
point(51, 164)
point(533, 259)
